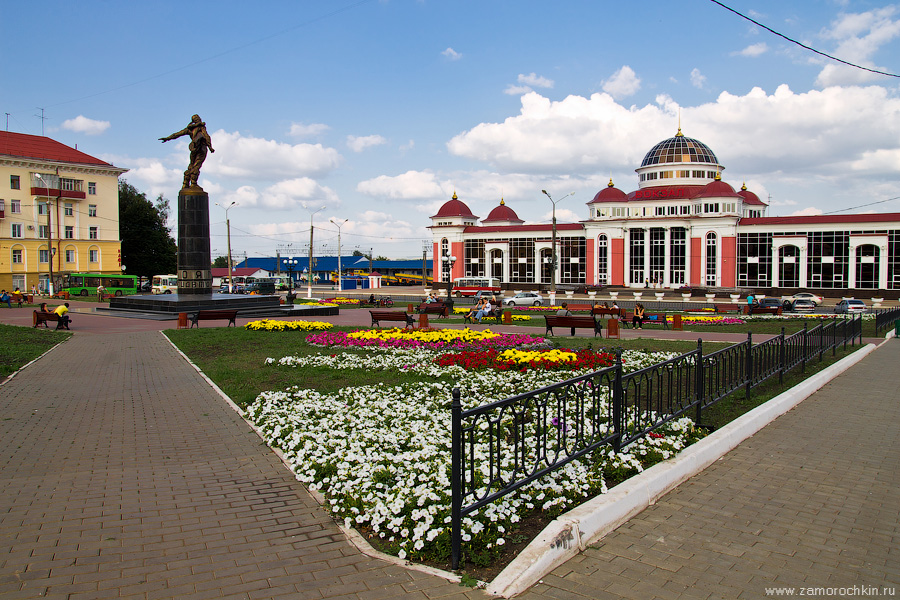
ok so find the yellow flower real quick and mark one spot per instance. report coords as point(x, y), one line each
point(427, 335)
point(271, 325)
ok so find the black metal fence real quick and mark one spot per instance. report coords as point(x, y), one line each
point(885, 319)
point(500, 447)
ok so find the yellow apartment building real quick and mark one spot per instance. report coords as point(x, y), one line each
point(59, 212)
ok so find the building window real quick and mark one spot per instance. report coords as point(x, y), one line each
point(712, 247)
point(711, 207)
point(92, 188)
point(636, 256)
point(657, 254)
point(521, 260)
point(70, 232)
point(754, 258)
point(69, 210)
point(16, 230)
point(43, 231)
point(70, 256)
point(94, 256)
point(445, 265)
point(685, 210)
point(17, 256)
point(828, 258)
point(677, 255)
point(92, 210)
point(474, 256)
point(602, 260)
point(43, 256)
point(15, 206)
point(71, 185)
point(43, 208)
point(572, 259)
point(94, 233)
point(14, 182)
point(698, 174)
point(2, 205)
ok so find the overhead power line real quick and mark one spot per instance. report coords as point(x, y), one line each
point(802, 45)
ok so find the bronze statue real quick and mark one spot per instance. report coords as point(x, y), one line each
point(200, 141)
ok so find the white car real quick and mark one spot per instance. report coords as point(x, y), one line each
point(850, 306)
point(524, 299)
point(805, 296)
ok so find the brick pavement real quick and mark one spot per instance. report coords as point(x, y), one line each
point(122, 474)
point(811, 500)
point(126, 476)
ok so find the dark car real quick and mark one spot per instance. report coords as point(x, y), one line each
point(589, 287)
point(799, 305)
point(769, 303)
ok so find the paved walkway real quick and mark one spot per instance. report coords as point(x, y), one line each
point(122, 474)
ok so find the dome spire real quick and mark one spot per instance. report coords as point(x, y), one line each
point(744, 186)
point(454, 195)
point(679, 134)
point(610, 184)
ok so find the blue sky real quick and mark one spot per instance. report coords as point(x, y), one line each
point(380, 109)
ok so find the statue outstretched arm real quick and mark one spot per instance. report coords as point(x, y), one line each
point(175, 135)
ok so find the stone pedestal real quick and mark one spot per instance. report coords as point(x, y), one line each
point(194, 263)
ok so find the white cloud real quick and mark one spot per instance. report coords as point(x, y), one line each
point(242, 157)
point(360, 143)
point(304, 130)
point(623, 83)
point(822, 134)
point(753, 50)
point(451, 54)
point(517, 90)
point(412, 185)
point(289, 194)
point(697, 79)
point(82, 124)
point(806, 212)
point(859, 36)
point(533, 79)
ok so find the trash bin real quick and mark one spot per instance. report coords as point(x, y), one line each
point(182, 321)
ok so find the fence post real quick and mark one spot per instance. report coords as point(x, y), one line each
point(698, 382)
point(455, 479)
point(749, 373)
point(834, 338)
point(781, 359)
point(618, 401)
point(805, 347)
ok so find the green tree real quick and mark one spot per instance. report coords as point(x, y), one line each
point(147, 246)
point(221, 262)
point(381, 258)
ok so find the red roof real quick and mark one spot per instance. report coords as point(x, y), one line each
point(454, 208)
point(749, 197)
point(824, 219)
point(717, 189)
point(503, 213)
point(236, 271)
point(538, 227)
point(665, 192)
point(35, 146)
point(609, 194)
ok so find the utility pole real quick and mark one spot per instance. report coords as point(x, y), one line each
point(340, 269)
point(309, 276)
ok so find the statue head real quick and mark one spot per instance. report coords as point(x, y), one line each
point(195, 119)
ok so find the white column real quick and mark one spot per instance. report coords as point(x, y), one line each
point(626, 253)
point(804, 267)
point(646, 255)
point(882, 267)
point(851, 268)
point(776, 266)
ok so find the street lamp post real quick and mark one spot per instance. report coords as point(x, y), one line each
point(309, 277)
point(289, 264)
point(340, 270)
point(553, 247)
point(448, 260)
point(228, 227)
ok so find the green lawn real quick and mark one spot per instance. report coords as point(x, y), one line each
point(21, 345)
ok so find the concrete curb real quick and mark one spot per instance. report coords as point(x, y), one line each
point(586, 524)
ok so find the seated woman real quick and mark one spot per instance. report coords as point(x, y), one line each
point(637, 321)
point(475, 310)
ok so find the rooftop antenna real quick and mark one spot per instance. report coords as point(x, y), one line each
point(679, 134)
point(42, 118)
point(7, 122)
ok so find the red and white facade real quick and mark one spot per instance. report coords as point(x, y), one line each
point(682, 226)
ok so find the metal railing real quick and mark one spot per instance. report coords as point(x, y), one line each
point(885, 318)
point(500, 447)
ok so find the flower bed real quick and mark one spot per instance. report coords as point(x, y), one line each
point(273, 325)
point(423, 338)
point(381, 454)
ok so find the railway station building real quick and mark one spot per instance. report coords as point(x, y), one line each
point(684, 225)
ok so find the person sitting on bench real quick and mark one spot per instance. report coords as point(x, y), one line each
point(61, 311)
point(565, 312)
point(637, 321)
point(485, 311)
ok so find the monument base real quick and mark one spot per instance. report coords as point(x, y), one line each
point(167, 306)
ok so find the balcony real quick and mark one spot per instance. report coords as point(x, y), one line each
point(55, 193)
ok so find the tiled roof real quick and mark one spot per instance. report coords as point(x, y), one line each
point(38, 147)
point(824, 219)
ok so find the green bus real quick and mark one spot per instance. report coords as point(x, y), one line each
point(86, 284)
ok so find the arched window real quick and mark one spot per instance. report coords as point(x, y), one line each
point(712, 247)
point(867, 266)
point(602, 260)
point(445, 264)
point(789, 267)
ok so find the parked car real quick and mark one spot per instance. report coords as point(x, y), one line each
point(524, 299)
point(588, 287)
point(849, 306)
point(817, 300)
point(799, 305)
point(767, 302)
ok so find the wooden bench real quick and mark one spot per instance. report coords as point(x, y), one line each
point(496, 314)
point(213, 315)
point(391, 315)
point(433, 308)
point(579, 307)
point(573, 322)
point(649, 319)
point(608, 312)
point(728, 308)
point(42, 318)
